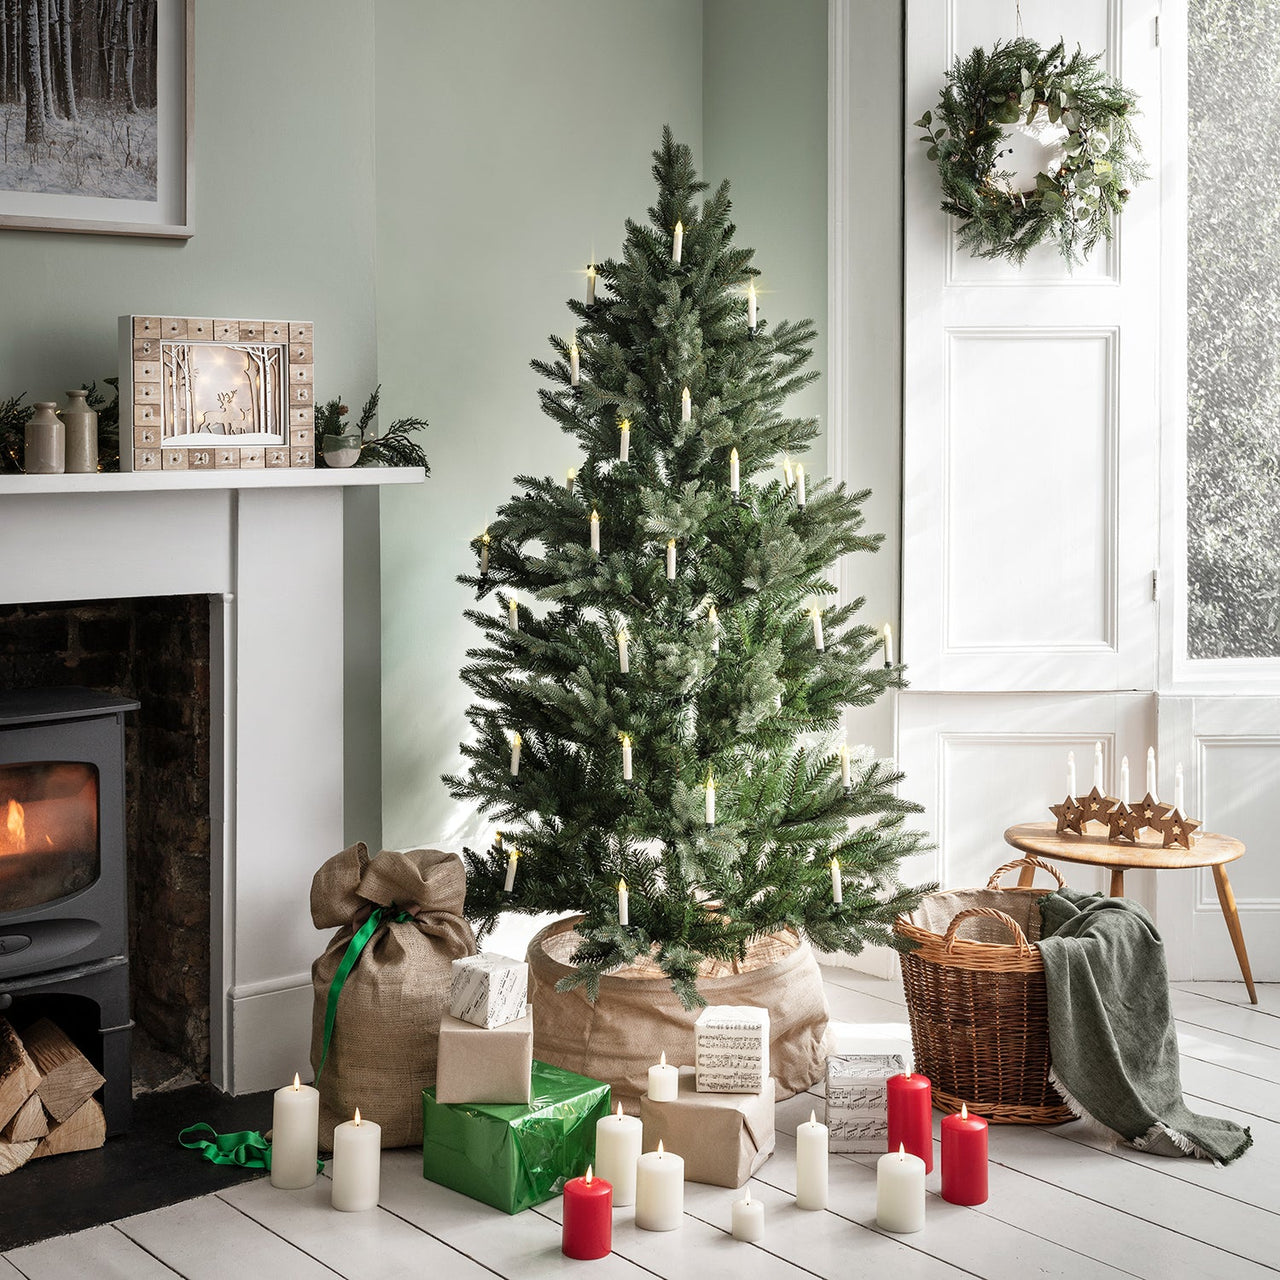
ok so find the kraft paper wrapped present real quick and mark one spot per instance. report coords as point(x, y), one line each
point(484, 1064)
point(723, 1137)
point(515, 1157)
point(489, 990)
point(857, 1100)
point(731, 1048)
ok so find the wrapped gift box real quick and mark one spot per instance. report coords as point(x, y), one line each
point(857, 1100)
point(489, 990)
point(844, 1038)
point(479, 1064)
point(513, 1156)
point(731, 1048)
point(723, 1137)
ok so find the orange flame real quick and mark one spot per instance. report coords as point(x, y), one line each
point(16, 825)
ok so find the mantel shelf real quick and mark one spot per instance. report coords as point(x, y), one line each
point(164, 481)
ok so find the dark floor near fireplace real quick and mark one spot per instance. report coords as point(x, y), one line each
point(144, 1169)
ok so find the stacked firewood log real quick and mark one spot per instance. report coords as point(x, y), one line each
point(47, 1105)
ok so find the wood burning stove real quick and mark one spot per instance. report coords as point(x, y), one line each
point(63, 927)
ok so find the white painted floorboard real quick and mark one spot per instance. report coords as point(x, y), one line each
point(1063, 1202)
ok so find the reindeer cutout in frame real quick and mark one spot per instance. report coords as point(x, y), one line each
point(228, 417)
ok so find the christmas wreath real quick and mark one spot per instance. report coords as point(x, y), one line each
point(1067, 102)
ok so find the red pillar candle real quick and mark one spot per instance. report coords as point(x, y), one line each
point(911, 1117)
point(588, 1218)
point(964, 1158)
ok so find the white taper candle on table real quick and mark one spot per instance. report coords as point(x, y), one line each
point(1179, 790)
point(295, 1136)
point(1151, 773)
point(1124, 779)
point(659, 1191)
point(357, 1165)
point(1097, 767)
point(619, 1141)
point(747, 1219)
point(1071, 773)
point(900, 1192)
point(811, 1164)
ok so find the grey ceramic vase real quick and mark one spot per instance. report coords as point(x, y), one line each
point(342, 450)
point(45, 451)
point(82, 434)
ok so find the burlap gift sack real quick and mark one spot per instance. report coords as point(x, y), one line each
point(382, 1053)
point(637, 1015)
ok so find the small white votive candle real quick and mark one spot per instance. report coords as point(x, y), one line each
point(664, 1081)
point(748, 1219)
point(357, 1165)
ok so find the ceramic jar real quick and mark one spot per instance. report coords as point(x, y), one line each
point(45, 451)
point(82, 434)
point(342, 450)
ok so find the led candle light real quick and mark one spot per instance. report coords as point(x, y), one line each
point(1124, 779)
point(1179, 790)
point(711, 801)
point(1097, 767)
point(844, 764)
point(624, 658)
point(624, 904)
point(295, 1136)
point(513, 614)
point(900, 1192)
point(964, 1158)
point(1071, 774)
point(677, 243)
point(811, 1164)
point(591, 283)
point(659, 1190)
point(1151, 773)
point(664, 1081)
point(671, 559)
point(569, 477)
point(516, 743)
point(800, 498)
point(513, 855)
point(588, 1218)
point(357, 1165)
point(747, 1219)
point(574, 368)
point(497, 841)
point(484, 553)
point(624, 440)
point(888, 645)
point(713, 620)
point(595, 533)
point(911, 1116)
point(619, 1139)
point(819, 642)
point(837, 886)
point(787, 473)
point(751, 305)
point(734, 473)
point(686, 406)
point(626, 757)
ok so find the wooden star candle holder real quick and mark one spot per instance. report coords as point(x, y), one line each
point(1124, 822)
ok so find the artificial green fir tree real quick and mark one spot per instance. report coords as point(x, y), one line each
point(686, 650)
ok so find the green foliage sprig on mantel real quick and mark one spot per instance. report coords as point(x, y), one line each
point(395, 447)
point(1018, 82)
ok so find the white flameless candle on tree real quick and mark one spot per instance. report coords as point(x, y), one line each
point(671, 559)
point(1097, 766)
point(513, 614)
point(677, 243)
point(751, 305)
point(1151, 773)
point(484, 553)
point(624, 663)
point(844, 765)
point(1179, 790)
point(800, 495)
point(888, 645)
point(513, 856)
point(1124, 779)
point(664, 1081)
point(569, 477)
point(624, 904)
point(591, 284)
point(686, 406)
point(711, 801)
point(595, 533)
point(515, 755)
point(734, 474)
point(837, 887)
point(1071, 774)
point(574, 368)
point(626, 758)
point(788, 474)
point(819, 642)
point(713, 621)
point(295, 1136)
point(357, 1165)
point(811, 1164)
point(624, 440)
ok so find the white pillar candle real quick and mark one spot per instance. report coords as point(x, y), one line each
point(686, 406)
point(677, 243)
point(574, 367)
point(595, 533)
point(751, 304)
point(626, 758)
point(713, 621)
point(484, 553)
point(819, 642)
point(837, 887)
point(1151, 773)
point(844, 764)
point(734, 472)
point(624, 663)
point(509, 883)
point(619, 1139)
point(295, 1136)
point(513, 615)
point(516, 743)
point(888, 645)
point(591, 284)
point(1071, 774)
point(711, 801)
point(811, 1164)
point(624, 440)
point(747, 1219)
point(1179, 791)
point(569, 477)
point(671, 559)
point(800, 497)
point(624, 904)
point(900, 1192)
point(1124, 779)
point(659, 1191)
point(664, 1081)
point(1097, 766)
point(357, 1165)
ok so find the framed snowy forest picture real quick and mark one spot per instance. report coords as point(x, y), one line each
point(215, 395)
point(96, 101)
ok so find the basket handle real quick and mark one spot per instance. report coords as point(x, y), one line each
point(1030, 860)
point(1019, 938)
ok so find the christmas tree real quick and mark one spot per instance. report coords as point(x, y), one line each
point(657, 740)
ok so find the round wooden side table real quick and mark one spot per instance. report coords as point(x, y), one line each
point(1207, 850)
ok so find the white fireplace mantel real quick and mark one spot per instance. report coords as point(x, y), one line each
point(266, 547)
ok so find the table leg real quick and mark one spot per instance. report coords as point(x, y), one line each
point(1026, 876)
point(1227, 899)
point(1117, 882)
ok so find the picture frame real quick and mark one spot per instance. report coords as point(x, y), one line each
point(200, 394)
point(113, 154)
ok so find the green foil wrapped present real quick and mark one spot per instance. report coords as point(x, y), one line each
point(512, 1156)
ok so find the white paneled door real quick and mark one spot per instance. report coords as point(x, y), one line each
point(1030, 416)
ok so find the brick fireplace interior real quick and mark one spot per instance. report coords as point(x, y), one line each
point(154, 649)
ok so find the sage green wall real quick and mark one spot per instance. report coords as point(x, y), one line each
point(513, 139)
point(284, 224)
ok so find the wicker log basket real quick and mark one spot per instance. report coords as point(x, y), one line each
point(978, 1006)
